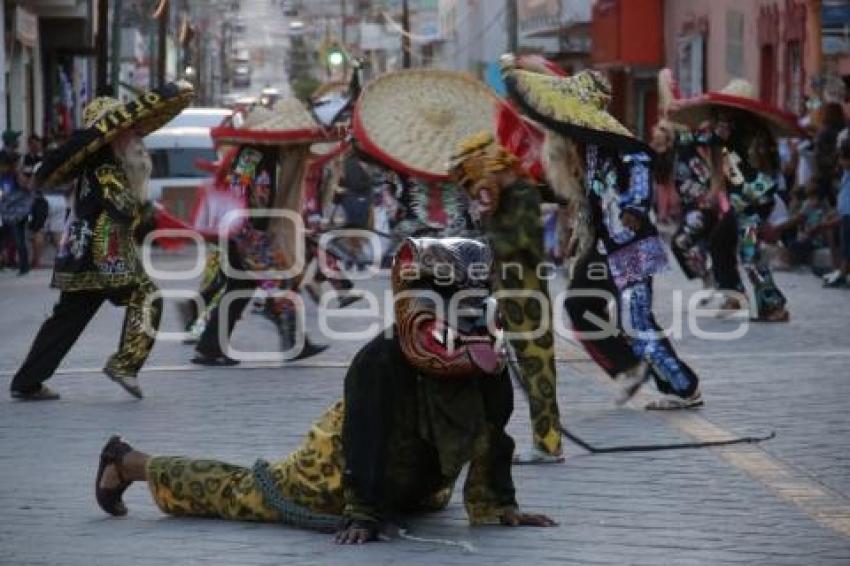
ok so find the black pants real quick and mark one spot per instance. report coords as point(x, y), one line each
point(612, 352)
point(723, 244)
point(19, 233)
point(209, 343)
point(70, 317)
point(690, 242)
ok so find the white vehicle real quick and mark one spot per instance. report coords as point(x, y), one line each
point(197, 117)
point(176, 154)
point(269, 96)
point(241, 76)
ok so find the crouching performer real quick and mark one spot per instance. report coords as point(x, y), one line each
point(421, 400)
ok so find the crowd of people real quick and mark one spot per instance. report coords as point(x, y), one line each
point(31, 217)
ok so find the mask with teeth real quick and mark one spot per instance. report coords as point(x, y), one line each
point(475, 167)
point(446, 318)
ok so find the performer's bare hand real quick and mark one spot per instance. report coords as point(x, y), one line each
point(631, 221)
point(516, 519)
point(357, 532)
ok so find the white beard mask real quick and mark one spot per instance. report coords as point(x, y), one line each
point(565, 172)
point(135, 160)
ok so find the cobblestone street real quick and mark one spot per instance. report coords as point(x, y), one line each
point(786, 501)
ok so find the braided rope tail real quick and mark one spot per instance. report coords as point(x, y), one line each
point(516, 372)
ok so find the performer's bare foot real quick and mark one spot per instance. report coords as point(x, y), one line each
point(358, 532)
point(630, 381)
point(517, 519)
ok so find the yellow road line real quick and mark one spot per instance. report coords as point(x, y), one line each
point(826, 506)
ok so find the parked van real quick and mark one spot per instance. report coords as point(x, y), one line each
point(175, 153)
point(200, 117)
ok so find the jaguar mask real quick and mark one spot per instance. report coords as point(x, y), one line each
point(476, 167)
point(446, 318)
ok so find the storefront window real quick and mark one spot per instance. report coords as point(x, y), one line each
point(735, 43)
point(794, 74)
point(691, 64)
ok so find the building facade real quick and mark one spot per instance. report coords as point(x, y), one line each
point(762, 41)
point(628, 44)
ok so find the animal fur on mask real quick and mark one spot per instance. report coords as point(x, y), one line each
point(566, 175)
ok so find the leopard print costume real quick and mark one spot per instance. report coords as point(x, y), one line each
point(311, 477)
point(515, 232)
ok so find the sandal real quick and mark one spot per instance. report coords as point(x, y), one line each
point(109, 499)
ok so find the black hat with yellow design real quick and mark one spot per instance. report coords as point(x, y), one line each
point(105, 119)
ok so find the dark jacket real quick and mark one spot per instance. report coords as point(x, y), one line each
point(97, 250)
point(405, 437)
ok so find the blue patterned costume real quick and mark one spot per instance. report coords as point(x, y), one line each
point(620, 185)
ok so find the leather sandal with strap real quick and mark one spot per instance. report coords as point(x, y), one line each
point(109, 499)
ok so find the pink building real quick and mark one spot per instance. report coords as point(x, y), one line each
point(708, 43)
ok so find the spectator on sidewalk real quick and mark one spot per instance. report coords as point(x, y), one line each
point(11, 142)
point(841, 220)
point(826, 148)
point(38, 215)
point(15, 206)
point(33, 157)
point(810, 227)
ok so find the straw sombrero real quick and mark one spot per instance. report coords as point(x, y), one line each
point(105, 118)
point(574, 106)
point(739, 94)
point(412, 120)
point(287, 123)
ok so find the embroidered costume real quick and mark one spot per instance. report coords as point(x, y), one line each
point(692, 175)
point(98, 259)
point(266, 173)
point(753, 127)
point(751, 194)
point(597, 164)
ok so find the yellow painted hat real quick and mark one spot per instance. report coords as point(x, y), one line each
point(574, 106)
point(105, 118)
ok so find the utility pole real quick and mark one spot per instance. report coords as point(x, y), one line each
point(343, 35)
point(343, 24)
point(513, 26)
point(163, 16)
point(102, 46)
point(405, 34)
point(116, 46)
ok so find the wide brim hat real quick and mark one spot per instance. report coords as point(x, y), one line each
point(105, 119)
point(574, 106)
point(287, 123)
point(411, 121)
point(738, 95)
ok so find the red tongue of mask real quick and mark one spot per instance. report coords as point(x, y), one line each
point(485, 357)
